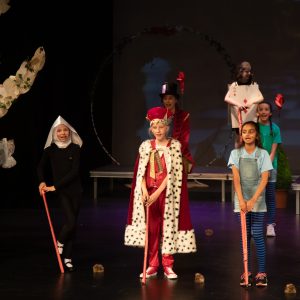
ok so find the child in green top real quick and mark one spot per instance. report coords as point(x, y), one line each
point(270, 138)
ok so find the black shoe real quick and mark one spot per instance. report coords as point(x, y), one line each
point(261, 279)
point(250, 279)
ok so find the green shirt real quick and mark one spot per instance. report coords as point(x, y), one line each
point(268, 139)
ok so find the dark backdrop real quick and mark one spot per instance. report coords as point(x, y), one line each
point(156, 39)
point(112, 56)
point(76, 38)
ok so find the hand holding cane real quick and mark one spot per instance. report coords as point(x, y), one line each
point(146, 245)
point(53, 234)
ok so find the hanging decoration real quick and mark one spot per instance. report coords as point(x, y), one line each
point(7, 148)
point(21, 82)
point(279, 101)
point(12, 88)
point(4, 6)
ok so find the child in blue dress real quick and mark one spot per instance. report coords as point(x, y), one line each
point(250, 166)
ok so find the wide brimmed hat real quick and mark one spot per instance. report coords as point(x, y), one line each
point(169, 88)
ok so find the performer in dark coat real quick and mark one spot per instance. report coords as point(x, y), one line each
point(62, 152)
point(180, 127)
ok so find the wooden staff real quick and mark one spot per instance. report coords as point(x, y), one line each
point(245, 245)
point(53, 234)
point(243, 220)
point(146, 246)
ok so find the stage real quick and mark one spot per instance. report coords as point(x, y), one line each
point(29, 268)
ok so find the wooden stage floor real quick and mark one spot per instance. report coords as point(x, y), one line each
point(29, 269)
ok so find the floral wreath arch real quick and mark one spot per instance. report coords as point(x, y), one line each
point(167, 31)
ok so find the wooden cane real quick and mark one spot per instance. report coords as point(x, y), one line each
point(245, 245)
point(53, 234)
point(146, 246)
point(243, 219)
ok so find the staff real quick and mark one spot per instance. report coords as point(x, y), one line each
point(146, 246)
point(53, 234)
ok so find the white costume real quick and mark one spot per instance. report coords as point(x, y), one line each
point(243, 96)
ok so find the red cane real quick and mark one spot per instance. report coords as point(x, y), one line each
point(146, 246)
point(245, 245)
point(243, 219)
point(53, 234)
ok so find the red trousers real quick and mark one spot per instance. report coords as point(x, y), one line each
point(155, 225)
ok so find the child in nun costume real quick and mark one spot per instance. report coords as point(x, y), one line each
point(62, 152)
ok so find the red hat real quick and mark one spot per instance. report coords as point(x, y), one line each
point(159, 114)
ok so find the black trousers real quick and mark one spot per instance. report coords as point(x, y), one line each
point(70, 206)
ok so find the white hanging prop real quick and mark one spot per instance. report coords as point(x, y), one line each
point(18, 84)
point(7, 148)
point(4, 7)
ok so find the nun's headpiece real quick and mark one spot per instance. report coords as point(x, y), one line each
point(75, 138)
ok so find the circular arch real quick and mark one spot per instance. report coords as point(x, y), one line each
point(167, 31)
